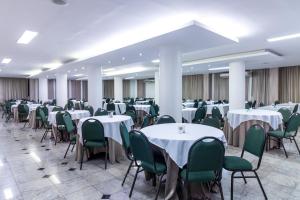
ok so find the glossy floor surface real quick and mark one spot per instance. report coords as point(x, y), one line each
point(33, 170)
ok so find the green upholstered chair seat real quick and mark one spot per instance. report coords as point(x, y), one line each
point(280, 134)
point(160, 168)
point(95, 144)
point(200, 176)
point(233, 163)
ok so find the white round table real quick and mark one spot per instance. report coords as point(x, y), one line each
point(236, 117)
point(145, 108)
point(189, 114)
point(111, 126)
point(289, 106)
point(75, 115)
point(176, 144)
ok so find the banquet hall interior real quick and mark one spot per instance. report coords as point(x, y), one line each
point(149, 99)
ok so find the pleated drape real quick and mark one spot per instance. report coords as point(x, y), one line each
point(261, 85)
point(13, 88)
point(289, 84)
point(192, 86)
point(108, 88)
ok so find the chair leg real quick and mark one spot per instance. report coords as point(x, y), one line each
point(231, 188)
point(296, 145)
point(189, 195)
point(244, 177)
point(73, 147)
point(137, 171)
point(82, 151)
point(67, 150)
point(44, 136)
point(261, 187)
point(106, 151)
point(159, 185)
point(281, 141)
point(130, 165)
point(221, 190)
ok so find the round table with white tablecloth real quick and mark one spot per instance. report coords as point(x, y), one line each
point(289, 106)
point(111, 127)
point(145, 108)
point(175, 146)
point(118, 107)
point(188, 104)
point(239, 121)
point(75, 115)
point(141, 102)
point(189, 114)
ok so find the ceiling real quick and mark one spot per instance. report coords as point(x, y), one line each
point(107, 33)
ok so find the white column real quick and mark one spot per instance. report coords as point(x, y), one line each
point(170, 77)
point(237, 85)
point(118, 88)
point(61, 89)
point(157, 87)
point(95, 87)
point(43, 89)
point(133, 88)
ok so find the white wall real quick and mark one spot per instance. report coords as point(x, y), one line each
point(150, 89)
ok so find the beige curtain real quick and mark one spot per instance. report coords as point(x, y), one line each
point(289, 84)
point(34, 89)
point(260, 85)
point(85, 90)
point(192, 86)
point(221, 87)
point(51, 88)
point(13, 88)
point(141, 90)
point(75, 89)
point(108, 88)
point(126, 88)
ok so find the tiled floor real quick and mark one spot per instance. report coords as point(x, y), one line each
point(29, 171)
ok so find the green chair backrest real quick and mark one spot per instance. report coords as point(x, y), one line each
point(132, 114)
point(111, 107)
point(206, 154)
point(152, 111)
point(90, 109)
point(286, 114)
point(255, 140)
point(146, 122)
point(23, 109)
point(215, 112)
point(293, 124)
point(45, 109)
point(213, 122)
point(200, 113)
point(165, 119)
point(141, 148)
point(57, 108)
point(92, 130)
point(68, 123)
point(125, 137)
point(295, 110)
point(101, 112)
point(43, 116)
point(59, 118)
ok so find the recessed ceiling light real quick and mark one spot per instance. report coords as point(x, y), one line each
point(155, 61)
point(27, 37)
point(140, 54)
point(77, 75)
point(52, 66)
point(60, 2)
point(6, 60)
point(75, 70)
point(218, 68)
point(123, 58)
point(109, 62)
point(125, 71)
point(285, 37)
point(82, 68)
point(131, 77)
point(108, 69)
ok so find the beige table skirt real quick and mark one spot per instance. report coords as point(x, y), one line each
point(16, 114)
point(32, 122)
point(236, 137)
point(115, 151)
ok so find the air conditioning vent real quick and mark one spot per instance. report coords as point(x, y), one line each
point(60, 2)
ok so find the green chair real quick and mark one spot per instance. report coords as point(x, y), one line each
point(90, 109)
point(205, 163)
point(295, 110)
point(45, 109)
point(286, 114)
point(146, 121)
point(248, 105)
point(199, 115)
point(60, 124)
point(215, 112)
point(101, 112)
point(290, 132)
point(71, 129)
point(45, 124)
point(38, 118)
point(57, 108)
point(23, 112)
point(144, 158)
point(255, 141)
point(126, 146)
point(210, 121)
point(165, 119)
point(93, 137)
point(132, 114)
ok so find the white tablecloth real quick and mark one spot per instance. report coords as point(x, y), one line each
point(289, 106)
point(111, 126)
point(76, 114)
point(222, 107)
point(188, 104)
point(33, 106)
point(189, 114)
point(117, 105)
point(176, 144)
point(145, 108)
point(141, 102)
point(236, 117)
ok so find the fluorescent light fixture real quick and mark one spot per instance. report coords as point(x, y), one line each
point(155, 61)
point(236, 56)
point(27, 37)
point(53, 66)
point(35, 72)
point(1, 163)
point(78, 75)
point(6, 60)
point(35, 157)
point(285, 37)
point(8, 194)
point(218, 68)
point(108, 70)
point(125, 71)
point(131, 77)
